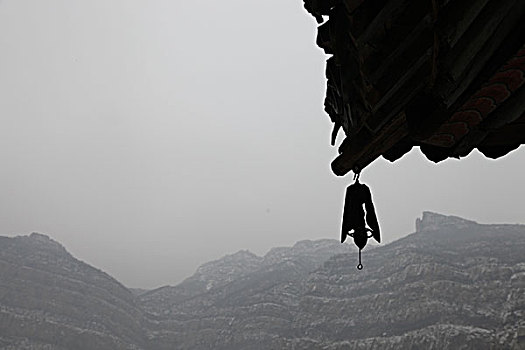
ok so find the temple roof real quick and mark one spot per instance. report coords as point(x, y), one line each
point(445, 75)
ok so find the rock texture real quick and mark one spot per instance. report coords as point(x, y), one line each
point(453, 284)
point(50, 300)
point(235, 299)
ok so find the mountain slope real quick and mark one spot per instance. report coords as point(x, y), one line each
point(224, 274)
point(50, 300)
point(453, 284)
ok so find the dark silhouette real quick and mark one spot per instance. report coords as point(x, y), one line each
point(447, 76)
point(354, 224)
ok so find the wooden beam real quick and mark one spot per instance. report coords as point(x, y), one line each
point(362, 16)
point(464, 65)
point(422, 124)
point(392, 8)
point(397, 84)
point(352, 5)
point(365, 147)
point(399, 55)
point(456, 18)
point(403, 94)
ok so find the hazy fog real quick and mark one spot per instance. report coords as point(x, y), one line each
point(151, 136)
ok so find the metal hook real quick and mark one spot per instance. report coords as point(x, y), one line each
point(360, 266)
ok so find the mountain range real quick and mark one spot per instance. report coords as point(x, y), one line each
point(452, 284)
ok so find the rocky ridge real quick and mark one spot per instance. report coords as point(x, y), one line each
point(453, 284)
point(49, 297)
point(228, 271)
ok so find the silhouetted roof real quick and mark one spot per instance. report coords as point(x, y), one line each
point(447, 76)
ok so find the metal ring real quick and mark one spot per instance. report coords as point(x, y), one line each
point(360, 266)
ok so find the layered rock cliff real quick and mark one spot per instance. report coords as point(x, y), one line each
point(50, 300)
point(453, 284)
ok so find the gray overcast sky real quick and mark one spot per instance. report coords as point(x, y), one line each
point(151, 136)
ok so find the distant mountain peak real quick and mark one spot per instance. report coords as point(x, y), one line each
point(431, 221)
point(221, 271)
point(307, 243)
point(50, 300)
point(244, 253)
point(240, 256)
point(43, 240)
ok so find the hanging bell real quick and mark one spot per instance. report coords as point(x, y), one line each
point(356, 223)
